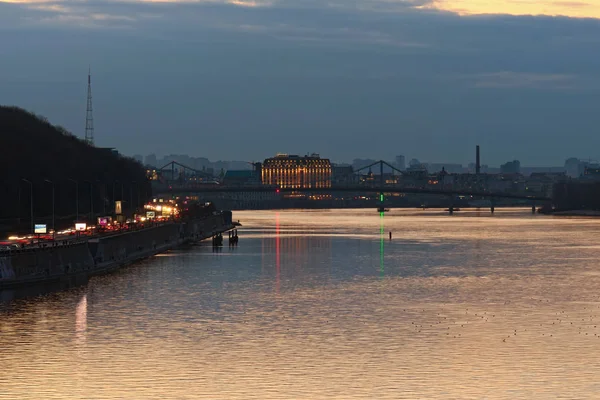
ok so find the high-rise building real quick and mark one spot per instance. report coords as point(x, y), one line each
point(401, 163)
point(292, 171)
point(151, 160)
point(511, 167)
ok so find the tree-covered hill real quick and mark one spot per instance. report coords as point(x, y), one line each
point(33, 149)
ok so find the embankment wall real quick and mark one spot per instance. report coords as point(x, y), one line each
point(123, 246)
point(42, 263)
point(101, 254)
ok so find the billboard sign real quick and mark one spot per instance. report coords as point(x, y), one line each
point(150, 214)
point(40, 228)
point(80, 226)
point(118, 207)
point(104, 221)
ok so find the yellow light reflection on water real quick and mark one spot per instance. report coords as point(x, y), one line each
point(577, 9)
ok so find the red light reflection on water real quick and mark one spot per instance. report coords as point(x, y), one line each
point(277, 253)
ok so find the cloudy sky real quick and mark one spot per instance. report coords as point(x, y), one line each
point(244, 79)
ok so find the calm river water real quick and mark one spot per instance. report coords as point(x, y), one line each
point(323, 305)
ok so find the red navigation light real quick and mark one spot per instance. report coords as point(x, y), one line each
point(277, 190)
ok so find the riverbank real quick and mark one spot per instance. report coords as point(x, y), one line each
point(576, 213)
point(74, 263)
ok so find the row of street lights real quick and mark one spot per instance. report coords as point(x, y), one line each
point(76, 199)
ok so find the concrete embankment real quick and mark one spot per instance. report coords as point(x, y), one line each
point(122, 246)
point(45, 264)
point(80, 260)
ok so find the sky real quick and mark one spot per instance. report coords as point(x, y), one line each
point(245, 79)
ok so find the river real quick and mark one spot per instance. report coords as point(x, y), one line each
point(323, 305)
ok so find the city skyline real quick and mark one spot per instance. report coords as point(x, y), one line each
point(163, 159)
point(427, 79)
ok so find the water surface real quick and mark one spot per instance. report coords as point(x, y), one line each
point(321, 305)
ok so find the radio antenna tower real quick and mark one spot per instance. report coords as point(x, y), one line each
point(89, 118)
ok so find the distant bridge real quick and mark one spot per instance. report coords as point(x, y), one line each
point(350, 188)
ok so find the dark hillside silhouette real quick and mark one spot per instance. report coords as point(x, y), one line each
point(33, 149)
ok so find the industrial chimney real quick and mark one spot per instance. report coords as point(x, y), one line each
point(477, 161)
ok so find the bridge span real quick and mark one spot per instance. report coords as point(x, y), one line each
point(351, 188)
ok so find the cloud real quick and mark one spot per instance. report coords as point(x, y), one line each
point(278, 74)
point(575, 9)
point(512, 80)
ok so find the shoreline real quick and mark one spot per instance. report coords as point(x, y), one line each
point(574, 213)
point(75, 264)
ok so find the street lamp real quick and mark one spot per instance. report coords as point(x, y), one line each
point(91, 202)
point(103, 196)
point(137, 194)
point(114, 205)
point(76, 198)
point(113, 194)
point(53, 214)
point(131, 198)
point(30, 202)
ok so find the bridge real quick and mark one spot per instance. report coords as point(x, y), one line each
point(387, 180)
point(182, 170)
point(351, 188)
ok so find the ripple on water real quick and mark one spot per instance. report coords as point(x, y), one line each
point(460, 307)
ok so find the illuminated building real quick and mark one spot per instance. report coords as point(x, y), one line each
point(151, 174)
point(295, 172)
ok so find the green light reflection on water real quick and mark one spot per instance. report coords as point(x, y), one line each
point(381, 240)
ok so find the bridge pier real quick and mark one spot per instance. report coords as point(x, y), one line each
point(493, 205)
point(451, 206)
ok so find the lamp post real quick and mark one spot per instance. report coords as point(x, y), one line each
point(30, 202)
point(114, 197)
point(53, 214)
point(19, 203)
point(91, 202)
point(76, 198)
point(104, 199)
point(113, 194)
point(137, 194)
point(132, 208)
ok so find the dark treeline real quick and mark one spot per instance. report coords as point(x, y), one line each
point(569, 196)
point(49, 156)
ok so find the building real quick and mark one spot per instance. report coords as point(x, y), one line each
point(576, 168)
point(343, 174)
point(450, 168)
point(110, 150)
point(511, 167)
point(292, 171)
point(151, 160)
point(591, 173)
point(240, 178)
point(401, 163)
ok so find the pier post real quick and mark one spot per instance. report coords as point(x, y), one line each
point(493, 203)
point(451, 206)
point(533, 208)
